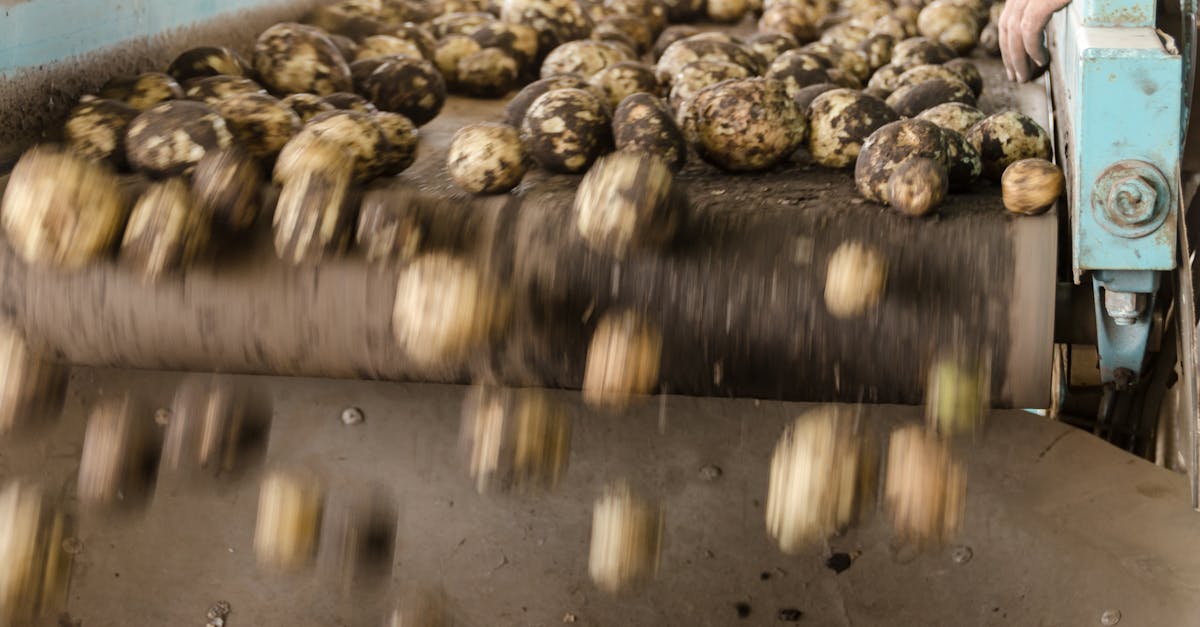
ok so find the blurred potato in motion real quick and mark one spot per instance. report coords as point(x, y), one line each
point(514, 439)
point(218, 425)
point(291, 505)
point(364, 533)
point(423, 608)
point(120, 454)
point(34, 569)
point(32, 389)
point(957, 396)
point(926, 487)
point(823, 478)
point(622, 361)
point(626, 538)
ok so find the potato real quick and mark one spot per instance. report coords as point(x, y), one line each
point(218, 426)
point(798, 70)
point(851, 62)
point(142, 91)
point(61, 210)
point(387, 232)
point(363, 532)
point(34, 569)
point(771, 45)
point(885, 79)
point(1031, 186)
point(308, 106)
point(346, 101)
point(261, 124)
point(918, 186)
point(953, 25)
point(672, 34)
point(625, 78)
point(450, 50)
point(697, 75)
point(1004, 138)
point(119, 455)
point(846, 35)
point(840, 120)
point(843, 79)
point(345, 45)
point(643, 124)
point(623, 360)
point(989, 39)
point(745, 125)
point(514, 439)
point(953, 116)
point(377, 46)
point(915, 51)
point(556, 21)
point(962, 161)
point(891, 145)
point(794, 19)
point(360, 71)
point(633, 28)
point(626, 542)
point(446, 310)
point(726, 11)
point(95, 129)
point(207, 61)
point(32, 387)
point(650, 12)
point(514, 111)
point(459, 23)
point(922, 73)
point(357, 133)
point(292, 58)
point(400, 143)
point(565, 130)
point(423, 609)
point(910, 100)
point(968, 73)
point(486, 158)
point(212, 89)
point(822, 479)
point(957, 395)
point(686, 51)
point(226, 188)
point(519, 41)
point(877, 49)
point(489, 73)
point(583, 57)
point(628, 201)
point(313, 215)
point(855, 279)
point(925, 487)
point(166, 232)
point(805, 97)
point(291, 505)
point(410, 87)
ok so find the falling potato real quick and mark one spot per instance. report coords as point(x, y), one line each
point(290, 508)
point(823, 478)
point(32, 388)
point(626, 544)
point(1031, 186)
point(622, 361)
point(957, 394)
point(217, 426)
point(120, 454)
point(364, 533)
point(628, 201)
point(854, 280)
point(34, 569)
point(425, 607)
point(514, 439)
point(925, 487)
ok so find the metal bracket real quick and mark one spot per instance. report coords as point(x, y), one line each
point(1124, 302)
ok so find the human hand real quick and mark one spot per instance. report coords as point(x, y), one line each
point(1022, 28)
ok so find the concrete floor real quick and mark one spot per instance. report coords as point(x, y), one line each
point(1061, 527)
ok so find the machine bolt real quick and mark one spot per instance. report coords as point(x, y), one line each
point(1110, 617)
point(1131, 201)
point(961, 554)
point(352, 416)
point(1123, 307)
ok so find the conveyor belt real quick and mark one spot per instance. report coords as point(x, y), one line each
point(739, 297)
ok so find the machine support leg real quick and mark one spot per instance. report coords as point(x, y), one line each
point(1124, 302)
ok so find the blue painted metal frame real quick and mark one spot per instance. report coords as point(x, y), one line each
point(1119, 101)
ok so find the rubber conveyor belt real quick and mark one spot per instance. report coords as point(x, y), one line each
point(739, 297)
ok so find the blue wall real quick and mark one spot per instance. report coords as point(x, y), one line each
point(38, 32)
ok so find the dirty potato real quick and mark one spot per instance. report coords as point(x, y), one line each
point(565, 130)
point(628, 200)
point(291, 506)
point(142, 91)
point(260, 124)
point(226, 187)
point(840, 120)
point(165, 232)
point(292, 58)
point(890, 146)
point(1031, 186)
point(410, 87)
point(1004, 138)
point(486, 158)
point(488, 73)
point(643, 124)
point(623, 360)
point(918, 186)
point(626, 542)
point(745, 125)
point(171, 138)
point(207, 61)
point(95, 129)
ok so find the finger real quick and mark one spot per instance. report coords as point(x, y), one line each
point(1014, 47)
point(1033, 31)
